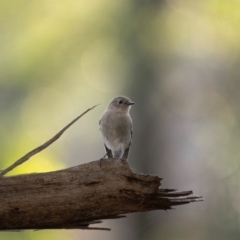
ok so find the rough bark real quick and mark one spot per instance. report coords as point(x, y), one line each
point(79, 196)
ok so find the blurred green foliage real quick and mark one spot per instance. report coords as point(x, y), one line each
point(179, 60)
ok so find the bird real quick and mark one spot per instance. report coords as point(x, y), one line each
point(116, 128)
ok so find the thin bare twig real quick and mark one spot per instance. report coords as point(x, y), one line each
point(43, 146)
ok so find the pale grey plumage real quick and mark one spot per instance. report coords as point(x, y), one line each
point(116, 127)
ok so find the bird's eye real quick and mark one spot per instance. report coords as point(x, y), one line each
point(120, 102)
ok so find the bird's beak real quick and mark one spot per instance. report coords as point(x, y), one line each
point(131, 103)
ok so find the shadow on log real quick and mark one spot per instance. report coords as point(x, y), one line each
point(77, 197)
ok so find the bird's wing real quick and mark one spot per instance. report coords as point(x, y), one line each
point(126, 152)
point(108, 151)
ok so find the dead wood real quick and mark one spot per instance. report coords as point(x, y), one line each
point(80, 196)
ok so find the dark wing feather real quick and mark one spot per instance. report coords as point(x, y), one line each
point(126, 152)
point(108, 151)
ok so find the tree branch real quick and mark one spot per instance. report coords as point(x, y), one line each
point(77, 197)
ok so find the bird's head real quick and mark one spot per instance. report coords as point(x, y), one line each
point(121, 104)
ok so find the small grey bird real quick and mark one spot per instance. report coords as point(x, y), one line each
point(116, 128)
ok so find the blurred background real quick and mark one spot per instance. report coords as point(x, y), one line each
point(178, 60)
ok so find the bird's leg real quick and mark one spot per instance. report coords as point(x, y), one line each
point(108, 151)
point(101, 159)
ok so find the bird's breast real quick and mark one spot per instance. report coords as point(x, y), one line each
point(116, 127)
